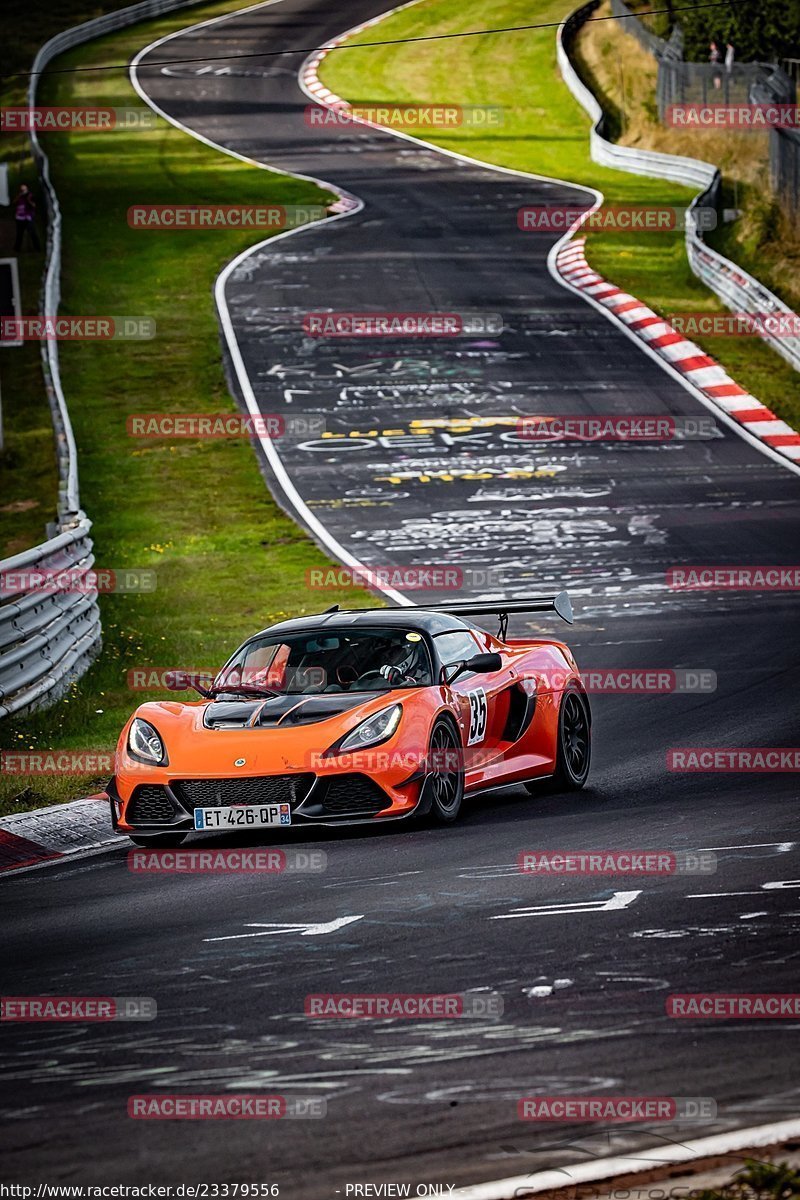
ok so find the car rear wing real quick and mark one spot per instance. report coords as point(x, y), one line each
point(559, 603)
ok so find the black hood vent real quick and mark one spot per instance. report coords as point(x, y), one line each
point(310, 709)
point(279, 710)
point(230, 714)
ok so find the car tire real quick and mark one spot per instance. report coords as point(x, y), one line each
point(447, 784)
point(574, 752)
point(158, 841)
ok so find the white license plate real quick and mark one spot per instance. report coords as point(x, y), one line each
point(255, 816)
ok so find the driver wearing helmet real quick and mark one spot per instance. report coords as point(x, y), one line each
point(407, 663)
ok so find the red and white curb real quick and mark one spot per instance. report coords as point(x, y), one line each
point(310, 80)
point(697, 367)
point(52, 834)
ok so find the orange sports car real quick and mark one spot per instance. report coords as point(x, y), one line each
point(360, 715)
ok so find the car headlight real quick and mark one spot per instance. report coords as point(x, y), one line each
point(377, 728)
point(145, 744)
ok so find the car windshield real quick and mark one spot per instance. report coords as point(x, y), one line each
point(358, 659)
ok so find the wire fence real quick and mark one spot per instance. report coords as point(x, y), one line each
point(682, 82)
point(639, 27)
point(784, 169)
point(694, 83)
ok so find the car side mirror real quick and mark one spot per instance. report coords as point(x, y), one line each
point(480, 664)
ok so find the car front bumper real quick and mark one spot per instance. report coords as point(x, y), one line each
point(161, 804)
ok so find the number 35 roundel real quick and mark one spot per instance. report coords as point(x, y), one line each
point(477, 716)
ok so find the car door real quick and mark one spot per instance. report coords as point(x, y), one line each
point(477, 696)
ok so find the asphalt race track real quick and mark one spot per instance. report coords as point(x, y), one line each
point(584, 990)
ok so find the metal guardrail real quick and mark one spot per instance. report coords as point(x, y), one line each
point(737, 289)
point(48, 638)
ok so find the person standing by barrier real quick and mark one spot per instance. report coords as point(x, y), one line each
point(713, 58)
point(25, 218)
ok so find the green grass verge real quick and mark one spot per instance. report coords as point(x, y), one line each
point(28, 471)
point(757, 1180)
point(547, 132)
point(228, 561)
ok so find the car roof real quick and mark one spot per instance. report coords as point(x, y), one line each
point(429, 621)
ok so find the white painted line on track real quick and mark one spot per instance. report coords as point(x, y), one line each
point(777, 885)
point(717, 895)
point(271, 928)
point(618, 901)
point(781, 847)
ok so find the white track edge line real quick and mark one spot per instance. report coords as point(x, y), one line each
point(311, 522)
point(659, 1156)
